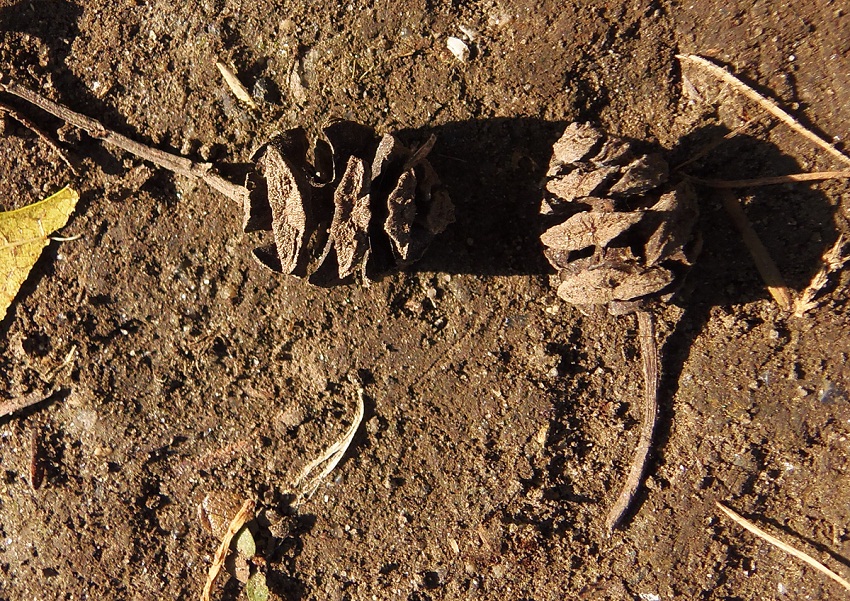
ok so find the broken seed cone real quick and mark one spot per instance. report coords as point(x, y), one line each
point(356, 204)
point(618, 236)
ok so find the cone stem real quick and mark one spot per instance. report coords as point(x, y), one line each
point(649, 357)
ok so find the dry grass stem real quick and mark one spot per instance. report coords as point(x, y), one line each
point(11, 406)
point(764, 263)
point(244, 514)
point(833, 260)
point(784, 546)
point(308, 481)
point(767, 104)
point(235, 85)
point(770, 181)
point(712, 145)
point(649, 356)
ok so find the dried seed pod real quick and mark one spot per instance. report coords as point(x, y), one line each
point(364, 204)
point(621, 240)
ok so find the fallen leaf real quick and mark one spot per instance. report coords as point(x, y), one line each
point(24, 233)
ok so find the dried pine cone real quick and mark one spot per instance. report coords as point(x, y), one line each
point(626, 241)
point(363, 205)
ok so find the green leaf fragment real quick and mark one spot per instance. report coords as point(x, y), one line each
point(245, 545)
point(256, 588)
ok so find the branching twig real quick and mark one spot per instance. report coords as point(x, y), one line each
point(784, 546)
point(770, 181)
point(243, 515)
point(172, 162)
point(765, 265)
point(649, 356)
point(41, 134)
point(765, 103)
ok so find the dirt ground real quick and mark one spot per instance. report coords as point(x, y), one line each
point(499, 421)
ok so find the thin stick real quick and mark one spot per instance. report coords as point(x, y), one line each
point(766, 267)
point(41, 134)
point(243, 515)
point(11, 406)
point(307, 483)
point(765, 103)
point(649, 355)
point(784, 546)
point(712, 145)
point(815, 176)
point(95, 129)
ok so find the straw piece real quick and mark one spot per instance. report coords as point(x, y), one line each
point(235, 85)
point(770, 181)
point(243, 515)
point(764, 263)
point(307, 482)
point(765, 103)
point(784, 546)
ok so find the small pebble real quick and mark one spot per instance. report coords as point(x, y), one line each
point(458, 48)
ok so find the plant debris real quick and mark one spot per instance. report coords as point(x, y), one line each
point(24, 233)
point(784, 546)
point(620, 239)
point(767, 104)
point(235, 85)
point(765, 265)
point(308, 480)
point(20, 403)
point(833, 260)
point(367, 204)
point(356, 203)
point(245, 514)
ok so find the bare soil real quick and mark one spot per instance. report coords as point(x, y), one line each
point(499, 421)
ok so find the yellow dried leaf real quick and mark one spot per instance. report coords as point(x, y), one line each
point(24, 233)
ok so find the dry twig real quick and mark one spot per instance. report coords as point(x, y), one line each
point(767, 104)
point(784, 546)
point(72, 165)
point(11, 406)
point(765, 265)
point(649, 355)
point(172, 162)
point(243, 515)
